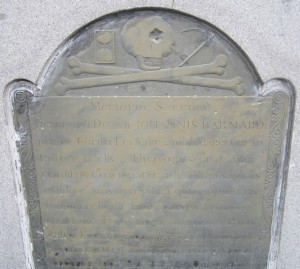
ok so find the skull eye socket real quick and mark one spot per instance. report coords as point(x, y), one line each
point(156, 36)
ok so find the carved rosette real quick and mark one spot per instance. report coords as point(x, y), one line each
point(28, 173)
point(278, 119)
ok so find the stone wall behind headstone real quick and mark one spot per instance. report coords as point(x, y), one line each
point(30, 31)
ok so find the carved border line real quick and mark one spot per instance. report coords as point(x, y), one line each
point(271, 178)
point(24, 146)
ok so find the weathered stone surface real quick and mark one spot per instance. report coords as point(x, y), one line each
point(150, 147)
point(286, 67)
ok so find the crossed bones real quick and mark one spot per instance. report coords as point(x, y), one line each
point(180, 75)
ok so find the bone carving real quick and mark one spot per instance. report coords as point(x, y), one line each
point(156, 37)
point(148, 40)
point(181, 75)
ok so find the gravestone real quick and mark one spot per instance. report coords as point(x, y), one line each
point(151, 142)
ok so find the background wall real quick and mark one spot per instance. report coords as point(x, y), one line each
point(30, 30)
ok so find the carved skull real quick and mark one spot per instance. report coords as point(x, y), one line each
point(148, 39)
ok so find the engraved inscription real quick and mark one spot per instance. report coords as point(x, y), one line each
point(175, 189)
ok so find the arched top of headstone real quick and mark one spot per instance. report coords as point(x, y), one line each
point(151, 52)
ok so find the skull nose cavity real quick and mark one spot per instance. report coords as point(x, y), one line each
point(156, 36)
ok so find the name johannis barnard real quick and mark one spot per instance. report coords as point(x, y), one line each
point(190, 124)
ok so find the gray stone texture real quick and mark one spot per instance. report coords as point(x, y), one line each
point(30, 30)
